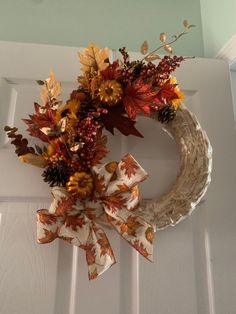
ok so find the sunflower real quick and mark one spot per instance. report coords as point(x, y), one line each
point(80, 184)
point(110, 92)
point(180, 95)
point(70, 110)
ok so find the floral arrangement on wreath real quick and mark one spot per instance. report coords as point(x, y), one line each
point(87, 192)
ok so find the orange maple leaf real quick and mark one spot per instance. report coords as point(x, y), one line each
point(67, 239)
point(114, 202)
point(90, 253)
point(122, 187)
point(132, 225)
point(100, 185)
point(74, 222)
point(46, 219)
point(140, 248)
point(65, 205)
point(49, 236)
point(105, 245)
point(93, 275)
point(129, 165)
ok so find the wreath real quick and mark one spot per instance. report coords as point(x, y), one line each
point(89, 194)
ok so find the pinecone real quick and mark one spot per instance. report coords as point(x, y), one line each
point(57, 174)
point(166, 114)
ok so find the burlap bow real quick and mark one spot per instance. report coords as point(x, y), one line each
point(116, 198)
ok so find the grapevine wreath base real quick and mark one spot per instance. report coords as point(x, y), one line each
point(194, 174)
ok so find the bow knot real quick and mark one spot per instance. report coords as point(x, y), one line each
point(116, 199)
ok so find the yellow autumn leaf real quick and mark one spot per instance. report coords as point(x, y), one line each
point(34, 160)
point(51, 88)
point(94, 58)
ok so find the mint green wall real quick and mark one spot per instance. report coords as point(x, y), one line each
point(113, 23)
point(218, 24)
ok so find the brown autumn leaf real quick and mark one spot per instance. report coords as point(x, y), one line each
point(74, 222)
point(104, 245)
point(129, 165)
point(100, 149)
point(140, 248)
point(90, 253)
point(94, 58)
point(149, 234)
point(67, 239)
point(114, 202)
point(132, 225)
point(49, 236)
point(144, 47)
point(100, 185)
point(122, 187)
point(93, 275)
point(47, 219)
point(65, 205)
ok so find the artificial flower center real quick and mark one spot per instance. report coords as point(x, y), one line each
point(80, 184)
point(110, 92)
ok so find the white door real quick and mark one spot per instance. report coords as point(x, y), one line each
point(194, 263)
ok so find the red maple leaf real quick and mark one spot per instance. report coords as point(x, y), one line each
point(138, 98)
point(100, 149)
point(41, 118)
point(114, 202)
point(111, 72)
point(115, 118)
point(166, 93)
point(129, 165)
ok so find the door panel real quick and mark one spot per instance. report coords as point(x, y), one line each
point(193, 269)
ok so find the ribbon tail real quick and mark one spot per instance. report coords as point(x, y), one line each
point(135, 230)
point(99, 254)
point(81, 231)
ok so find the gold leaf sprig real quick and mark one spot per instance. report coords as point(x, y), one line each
point(51, 89)
point(166, 45)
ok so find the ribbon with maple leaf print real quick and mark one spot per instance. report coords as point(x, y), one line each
point(116, 198)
